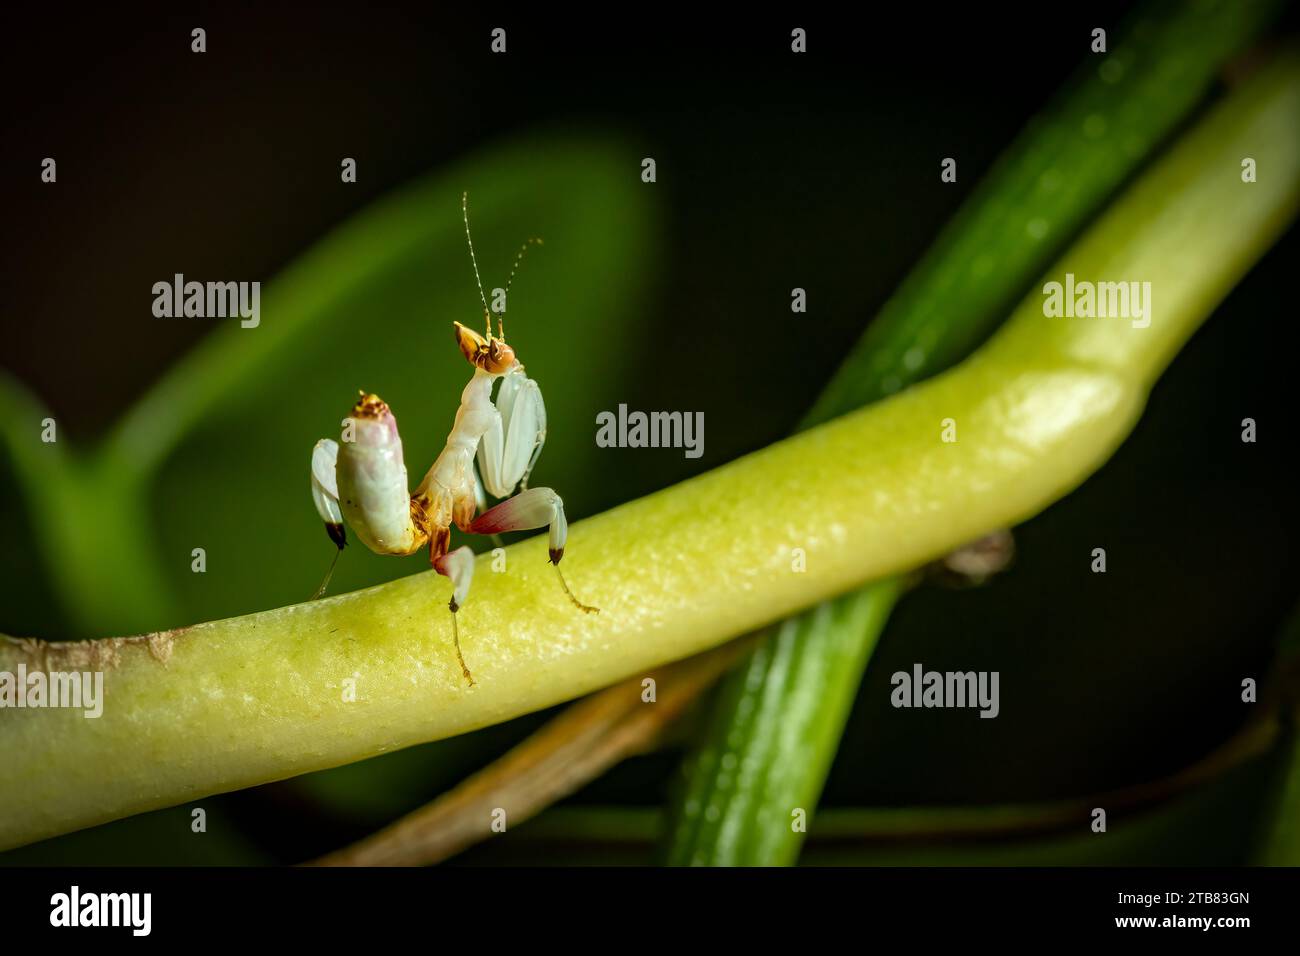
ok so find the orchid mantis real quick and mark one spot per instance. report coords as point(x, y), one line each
point(363, 477)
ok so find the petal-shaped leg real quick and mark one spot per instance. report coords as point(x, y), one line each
point(458, 566)
point(325, 495)
point(491, 449)
point(534, 508)
point(513, 441)
point(525, 433)
point(540, 441)
point(325, 489)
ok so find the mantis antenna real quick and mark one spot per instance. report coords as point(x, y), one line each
point(501, 329)
point(464, 209)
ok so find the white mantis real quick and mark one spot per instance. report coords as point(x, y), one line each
point(363, 478)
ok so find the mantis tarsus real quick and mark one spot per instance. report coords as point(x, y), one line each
point(363, 477)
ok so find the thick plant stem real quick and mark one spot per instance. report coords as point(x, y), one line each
point(230, 704)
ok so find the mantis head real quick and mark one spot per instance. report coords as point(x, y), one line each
point(490, 354)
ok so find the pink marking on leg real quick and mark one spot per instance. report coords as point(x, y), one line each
point(457, 565)
point(534, 508)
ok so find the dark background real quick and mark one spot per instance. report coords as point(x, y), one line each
point(773, 171)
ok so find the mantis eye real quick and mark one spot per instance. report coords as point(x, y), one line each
point(499, 358)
